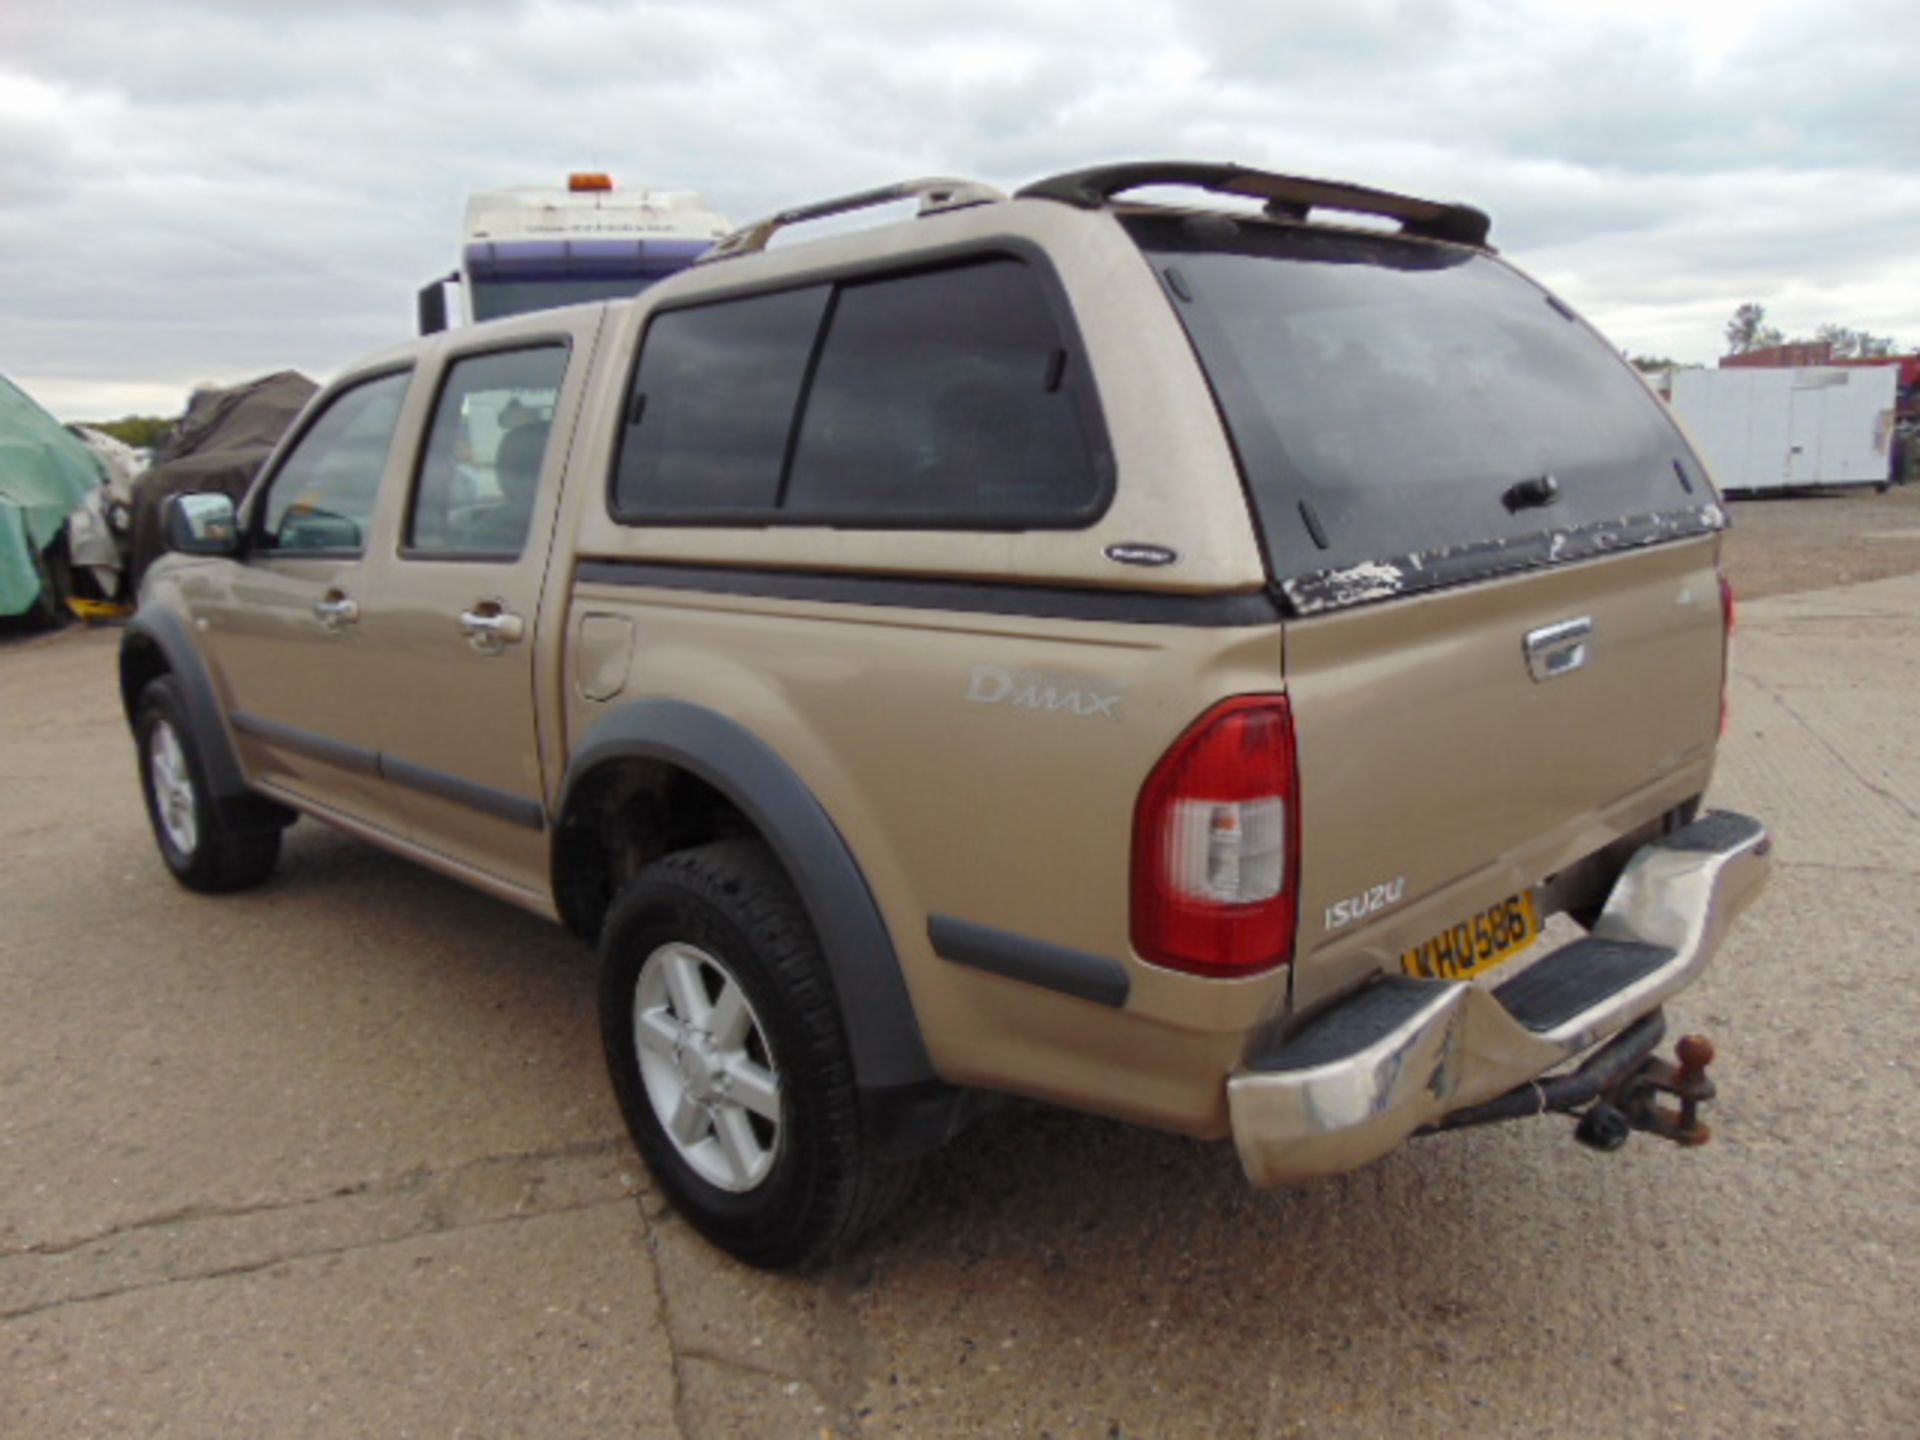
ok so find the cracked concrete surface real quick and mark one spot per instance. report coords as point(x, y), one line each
point(336, 1158)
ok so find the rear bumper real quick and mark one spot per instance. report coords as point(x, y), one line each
point(1404, 1053)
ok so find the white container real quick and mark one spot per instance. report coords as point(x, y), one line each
point(1764, 429)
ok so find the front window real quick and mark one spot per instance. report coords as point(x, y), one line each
point(493, 299)
point(514, 277)
point(322, 497)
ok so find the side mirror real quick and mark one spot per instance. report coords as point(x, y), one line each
point(432, 304)
point(202, 525)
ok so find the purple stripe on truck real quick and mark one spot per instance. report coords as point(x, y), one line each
point(579, 259)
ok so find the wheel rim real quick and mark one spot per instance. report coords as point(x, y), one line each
point(173, 801)
point(707, 1067)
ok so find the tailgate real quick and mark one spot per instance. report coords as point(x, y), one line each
point(1435, 764)
point(1446, 462)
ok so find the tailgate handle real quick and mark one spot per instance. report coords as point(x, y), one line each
point(1553, 650)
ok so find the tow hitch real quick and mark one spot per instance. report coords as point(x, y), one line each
point(1634, 1103)
point(1623, 1087)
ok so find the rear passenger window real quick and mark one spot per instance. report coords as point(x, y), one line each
point(481, 471)
point(322, 497)
point(943, 397)
point(713, 402)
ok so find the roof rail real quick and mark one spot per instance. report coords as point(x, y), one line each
point(935, 193)
point(1289, 197)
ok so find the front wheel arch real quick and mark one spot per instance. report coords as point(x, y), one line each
point(157, 645)
point(201, 849)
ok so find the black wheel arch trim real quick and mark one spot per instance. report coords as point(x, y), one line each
point(882, 1030)
point(240, 807)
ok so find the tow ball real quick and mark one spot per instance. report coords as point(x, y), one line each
point(1637, 1101)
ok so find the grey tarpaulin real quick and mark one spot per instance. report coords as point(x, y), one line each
point(218, 445)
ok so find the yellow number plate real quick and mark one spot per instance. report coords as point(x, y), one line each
point(1477, 943)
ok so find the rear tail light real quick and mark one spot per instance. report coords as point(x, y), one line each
point(1726, 644)
point(1216, 844)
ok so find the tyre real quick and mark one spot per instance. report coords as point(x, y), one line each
point(203, 851)
point(727, 1053)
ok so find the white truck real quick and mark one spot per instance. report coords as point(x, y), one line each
point(533, 248)
point(1784, 429)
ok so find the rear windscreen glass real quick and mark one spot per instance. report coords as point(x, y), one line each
point(1409, 415)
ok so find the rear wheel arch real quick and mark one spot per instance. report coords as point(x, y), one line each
point(727, 1051)
point(652, 747)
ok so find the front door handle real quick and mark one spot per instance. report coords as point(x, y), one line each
point(336, 610)
point(490, 629)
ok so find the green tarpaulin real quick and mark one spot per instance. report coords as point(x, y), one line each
point(44, 475)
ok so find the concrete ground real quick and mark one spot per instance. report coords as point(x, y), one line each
point(336, 1158)
point(1783, 543)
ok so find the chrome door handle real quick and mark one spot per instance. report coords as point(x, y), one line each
point(1553, 650)
point(335, 610)
point(491, 630)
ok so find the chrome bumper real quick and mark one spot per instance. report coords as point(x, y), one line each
point(1359, 1079)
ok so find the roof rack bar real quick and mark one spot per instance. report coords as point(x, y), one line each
point(935, 193)
point(1288, 196)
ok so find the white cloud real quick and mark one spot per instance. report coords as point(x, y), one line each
point(215, 188)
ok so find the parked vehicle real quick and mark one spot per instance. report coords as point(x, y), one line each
point(1167, 662)
point(99, 528)
point(528, 248)
point(46, 473)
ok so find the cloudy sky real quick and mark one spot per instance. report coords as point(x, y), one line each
point(210, 189)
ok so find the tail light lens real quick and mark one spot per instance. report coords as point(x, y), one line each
point(1726, 644)
point(1216, 844)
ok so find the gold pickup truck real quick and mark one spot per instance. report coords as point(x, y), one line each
point(1247, 665)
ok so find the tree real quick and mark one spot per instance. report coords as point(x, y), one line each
point(143, 432)
point(1652, 364)
point(1748, 330)
point(1855, 344)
